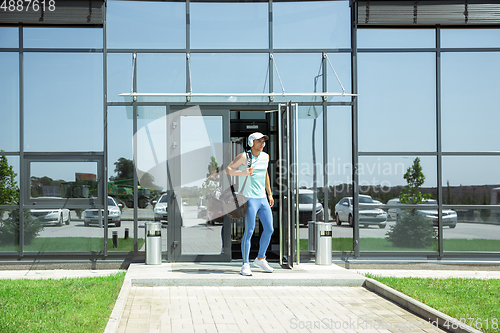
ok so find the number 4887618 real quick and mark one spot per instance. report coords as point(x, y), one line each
point(28, 5)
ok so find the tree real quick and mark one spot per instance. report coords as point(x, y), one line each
point(412, 229)
point(9, 195)
point(209, 184)
point(124, 169)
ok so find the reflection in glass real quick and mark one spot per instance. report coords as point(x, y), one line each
point(395, 88)
point(229, 25)
point(119, 76)
point(9, 229)
point(477, 230)
point(470, 180)
point(65, 112)
point(63, 179)
point(470, 38)
point(161, 73)
point(298, 73)
point(62, 37)
point(163, 24)
point(311, 24)
point(396, 38)
point(9, 37)
point(229, 73)
point(9, 94)
point(470, 123)
point(201, 154)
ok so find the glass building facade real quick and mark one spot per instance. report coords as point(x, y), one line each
point(116, 113)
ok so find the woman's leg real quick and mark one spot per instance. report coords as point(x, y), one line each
point(253, 206)
point(266, 218)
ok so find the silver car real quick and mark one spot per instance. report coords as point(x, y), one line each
point(449, 216)
point(91, 216)
point(57, 216)
point(369, 213)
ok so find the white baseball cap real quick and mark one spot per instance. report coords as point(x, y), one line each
point(256, 136)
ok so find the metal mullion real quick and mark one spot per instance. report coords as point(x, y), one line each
point(325, 141)
point(338, 50)
point(12, 49)
point(476, 49)
point(146, 50)
point(104, 170)
point(477, 153)
point(134, 129)
point(439, 142)
point(24, 178)
point(354, 126)
point(398, 50)
point(233, 104)
point(397, 153)
point(471, 206)
point(271, 48)
point(62, 50)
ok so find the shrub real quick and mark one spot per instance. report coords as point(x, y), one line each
point(412, 230)
point(9, 228)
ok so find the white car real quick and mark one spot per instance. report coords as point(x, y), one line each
point(161, 209)
point(449, 216)
point(306, 207)
point(91, 216)
point(369, 213)
point(57, 216)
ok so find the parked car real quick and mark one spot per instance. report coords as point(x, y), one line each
point(306, 207)
point(201, 210)
point(449, 216)
point(369, 213)
point(91, 216)
point(57, 216)
point(161, 209)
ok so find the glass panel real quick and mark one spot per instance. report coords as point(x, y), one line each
point(63, 180)
point(470, 105)
point(470, 38)
point(477, 230)
point(9, 94)
point(201, 135)
point(388, 82)
point(384, 226)
point(120, 68)
point(470, 180)
point(229, 25)
point(9, 230)
point(9, 188)
point(298, 74)
point(151, 167)
point(9, 37)
point(161, 73)
point(63, 37)
point(341, 63)
point(396, 38)
point(162, 25)
point(65, 112)
point(229, 73)
point(339, 170)
point(64, 230)
point(311, 24)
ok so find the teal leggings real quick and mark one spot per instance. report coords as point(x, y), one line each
point(260, 207)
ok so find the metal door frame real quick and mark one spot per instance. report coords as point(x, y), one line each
point(174, 232)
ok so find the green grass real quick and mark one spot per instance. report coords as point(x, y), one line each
point(381, 244)
point(69, 244)
point(66, 305)
point(456, 297)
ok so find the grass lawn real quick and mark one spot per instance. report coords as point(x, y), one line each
point(51, 244)
point(473, 301)
point(66, 305)
point(381, 244)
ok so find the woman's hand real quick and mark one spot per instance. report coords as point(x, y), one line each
point(247, 172)
point(271, 200)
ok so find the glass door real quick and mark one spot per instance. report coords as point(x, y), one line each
point(287, 146)
point(198, 150)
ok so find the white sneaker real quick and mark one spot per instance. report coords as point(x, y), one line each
point(262, 263)
point(245, 270)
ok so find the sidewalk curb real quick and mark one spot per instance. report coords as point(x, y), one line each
point(425, 311)
point(116, 314)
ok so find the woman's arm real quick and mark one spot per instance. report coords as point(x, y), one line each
point(232, 168)
point(268, 189)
